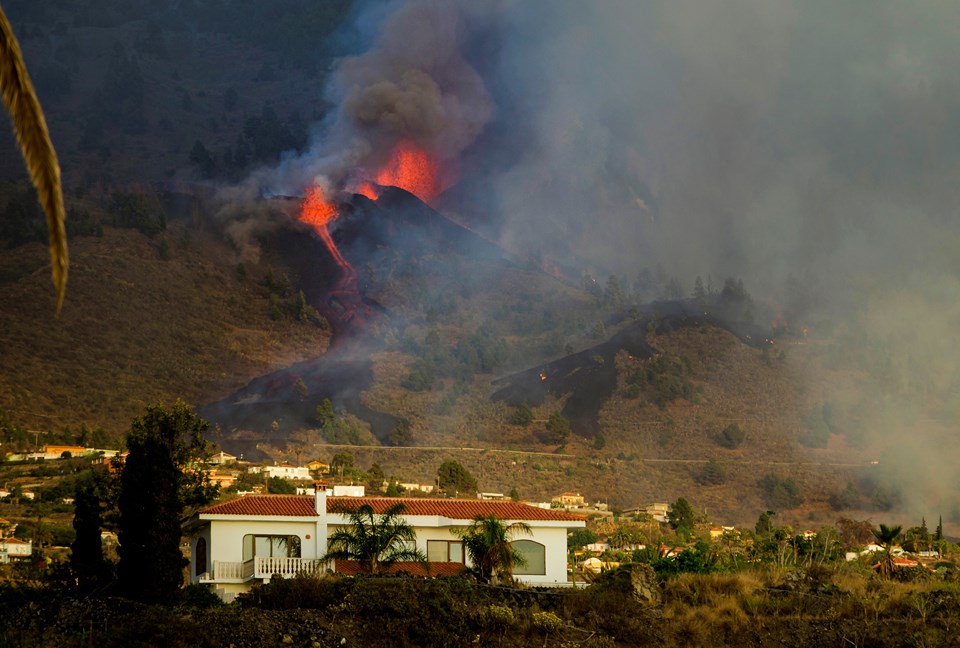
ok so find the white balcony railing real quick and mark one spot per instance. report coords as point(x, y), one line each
point(265, 566)
point(262, 567)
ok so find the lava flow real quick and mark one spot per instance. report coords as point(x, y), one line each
point(343, 300)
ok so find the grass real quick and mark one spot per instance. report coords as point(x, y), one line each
point(135, 330)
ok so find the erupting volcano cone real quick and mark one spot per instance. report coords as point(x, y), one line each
point(413, 169)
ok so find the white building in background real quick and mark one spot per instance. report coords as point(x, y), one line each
point(222, 458)
point(283, 471)
point(339, 490)
point(242, 542)
point(12, 548)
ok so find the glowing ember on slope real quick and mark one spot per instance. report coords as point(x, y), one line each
point(413, 169)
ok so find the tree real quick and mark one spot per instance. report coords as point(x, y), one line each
point(300, 389)
point(699, 292)
point(780, 492)
point(325, 413)
point(765, 522)
point(401, 435)
point(157, 485)
point(681, 517)
point(580, 538)
point(33, 138)
point(86, 552)
point(731, 436)
point(280, 486)
point(712, 474)
point(521, 415)
point(558, 429)
point(453, 478)
point(375, 478)
point(375, 541)
point(340, 462)
point(487, 542)
point(886, 536)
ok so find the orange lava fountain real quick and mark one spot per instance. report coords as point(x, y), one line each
point(318, 211)
point(413, 169)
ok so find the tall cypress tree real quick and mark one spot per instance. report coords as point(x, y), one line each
point(86, 555)
point(157, 484)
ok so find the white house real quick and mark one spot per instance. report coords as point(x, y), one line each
point(14, 548)
point(283, 471)
point(222, 458)
point(242, 542)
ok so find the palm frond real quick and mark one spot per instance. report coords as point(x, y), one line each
point(32, 134)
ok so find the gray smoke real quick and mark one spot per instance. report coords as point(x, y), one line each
point(412, 85)
point(808, 147)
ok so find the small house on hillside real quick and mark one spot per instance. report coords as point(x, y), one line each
point(13, 548)
point(570, 499)
point(245, 541)
point(222, 458)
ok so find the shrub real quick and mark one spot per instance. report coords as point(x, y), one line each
point(547, 622)
point(731, 436)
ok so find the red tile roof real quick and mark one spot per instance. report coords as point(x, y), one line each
point(352, 568)
point(292, 505)
point(458, 509)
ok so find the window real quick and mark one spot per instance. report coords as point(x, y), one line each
point(535, 556)
point(201, 555)
point(444, 551)
point(271, 546)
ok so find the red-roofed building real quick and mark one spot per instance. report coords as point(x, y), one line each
point(244, 541)
point(15, 548)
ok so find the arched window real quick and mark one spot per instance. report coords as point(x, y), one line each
point(535, 558)
point(201, 555)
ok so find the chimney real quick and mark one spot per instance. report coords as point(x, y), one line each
point(320, 506)
point(320, 498)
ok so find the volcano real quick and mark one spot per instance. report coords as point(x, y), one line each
point(395, 228)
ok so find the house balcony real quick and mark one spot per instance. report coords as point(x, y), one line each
point(262, 568)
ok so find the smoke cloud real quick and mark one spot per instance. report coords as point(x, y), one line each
point(809, 148)
point(412, 85)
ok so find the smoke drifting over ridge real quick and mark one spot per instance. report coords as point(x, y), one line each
point(810, 148)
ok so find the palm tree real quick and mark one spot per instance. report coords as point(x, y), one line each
point(33, 137)
point(886, 536)
point(375, 541)
point(487, 541)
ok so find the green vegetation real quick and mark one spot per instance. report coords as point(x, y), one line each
point(157, 486)
point(713, 474)
point(664, 378)
point(376, 541)
point(487, 542)
point(453, 479)
point(731, 436)
point(780, 492)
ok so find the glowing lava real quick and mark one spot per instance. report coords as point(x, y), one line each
point(318, 211)
point(413, 169)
